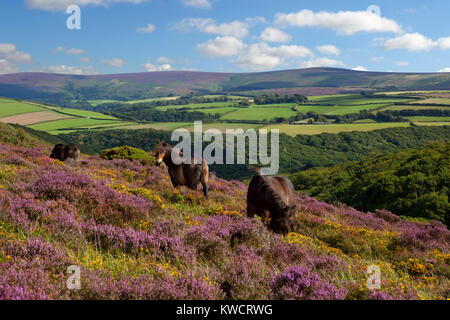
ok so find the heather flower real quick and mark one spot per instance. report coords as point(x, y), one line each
point(300, 283)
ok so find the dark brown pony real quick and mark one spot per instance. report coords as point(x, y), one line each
point(183, 174)
point(63, 152)
point(272, 198)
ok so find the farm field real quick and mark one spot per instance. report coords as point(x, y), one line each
point(353, 100)
point(25, 119)
point(95, 103)
point(72, 123)
point(433, 123)
point(217, 110)
point(199, 105)
point(435, 101)
point(82, 113)
point(157, 125)
point(224, 126)
point(311, 129)
point(428, 119)
point(258, 114)
point(413, 107)
point(10, 107)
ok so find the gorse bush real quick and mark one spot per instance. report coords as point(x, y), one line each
point(127, 152)
point(134, 236)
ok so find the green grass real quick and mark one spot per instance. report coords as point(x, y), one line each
point(435, 101)
point(83, 113)
point(224, 126)
point(259, 114)
point(428, 119)
point(217, 110)
point(311, 129)
point(359, 101)
point(328, 97)
point(432, 123)
point(200, 105)
point(212, 96)
point(71, 123)
point(410, 107)
point(10, 107)
point(158, 126)
point(95, 103)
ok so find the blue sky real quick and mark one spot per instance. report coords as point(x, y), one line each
point(119, 36)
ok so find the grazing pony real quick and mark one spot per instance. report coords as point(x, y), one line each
point(63, 152)
point(272, 198)
point(183, 174)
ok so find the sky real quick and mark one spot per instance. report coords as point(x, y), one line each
point(123, 36)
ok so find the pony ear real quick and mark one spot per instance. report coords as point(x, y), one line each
point(164, 144)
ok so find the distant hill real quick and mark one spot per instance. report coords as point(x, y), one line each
point(57, 87)
point(411, 182)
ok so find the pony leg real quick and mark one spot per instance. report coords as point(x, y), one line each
point(204, 182)
point(250, 211)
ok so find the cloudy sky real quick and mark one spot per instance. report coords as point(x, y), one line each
point(119, 36)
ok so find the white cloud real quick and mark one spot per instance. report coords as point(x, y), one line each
point(7, 67)
point(163, 60)
point(221, 47)
point(235, 29)
point(343, 22)
point(74, 51)
point(255, 20)
point(411, 42)
point(8, 51)
point(200, 4)
point(85, 59)
point(148, 29)
point(261, 56)
point(63, 69)
point(58, 49)
point(7, 48)
point(113, 62)
point(444, 70)
point(443, 43)
point(359, 68)
point(328, 50)
point(416, 42)
point(275, 35)
point(402, 63)
point(149, 67)
point(10, 58)
point(53, 5)
point(322, 62)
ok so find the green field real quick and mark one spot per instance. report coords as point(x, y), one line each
point(428, 119)
point(10, 107)
point(157, 126)
point(311, 129)
point(95, 103)
point(72, 123)
point(224, 126)
point(434, 101)
point(83, 113)
point(355, 99)
point(213, 111)
point(258, 114)
point(411, 107)
point(200, 105)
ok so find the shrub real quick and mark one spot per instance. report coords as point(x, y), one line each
point(127, 152)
